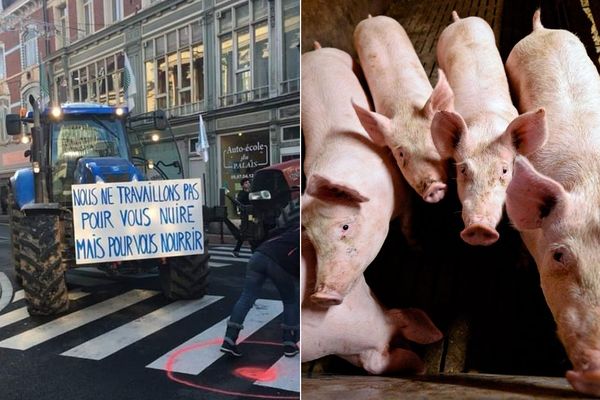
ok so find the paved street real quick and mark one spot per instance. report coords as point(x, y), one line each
point(121, 339)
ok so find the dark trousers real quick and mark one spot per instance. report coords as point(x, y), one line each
point(243, 231)
point(261, 267)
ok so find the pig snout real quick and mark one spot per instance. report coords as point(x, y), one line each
point(587, 382)
point(327, 297)
point(434, 192)
point(586, 376)
point(480, 232)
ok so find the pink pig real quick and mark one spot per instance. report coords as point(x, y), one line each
point(480, 136)
point(404, 102)
point(555, 201)
point(353, 187)
point(361, 330)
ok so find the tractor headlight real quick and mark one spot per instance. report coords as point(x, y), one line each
point(262, 195)
point(119, 112)
point(56, 112)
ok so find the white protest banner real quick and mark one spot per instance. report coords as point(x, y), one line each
point(137, 220)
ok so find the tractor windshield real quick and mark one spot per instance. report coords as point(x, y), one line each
point(76, 138)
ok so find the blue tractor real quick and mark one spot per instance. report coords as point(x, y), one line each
point(82, 143)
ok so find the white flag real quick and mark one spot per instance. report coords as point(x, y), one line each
point(129, 84)
point(202, 143)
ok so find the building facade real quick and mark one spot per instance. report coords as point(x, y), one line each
point(235, 62)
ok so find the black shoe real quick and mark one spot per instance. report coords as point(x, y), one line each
point(290, 349)
point(232, 349)
point(235, 253)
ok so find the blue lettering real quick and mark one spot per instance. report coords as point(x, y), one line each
point(190, 192)
point(176, 215)
point(89, 249)
point(106, 195)
point(85, 197)
point(96, 219)
point(138, 217)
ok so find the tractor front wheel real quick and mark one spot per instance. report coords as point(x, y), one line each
point(40, 267)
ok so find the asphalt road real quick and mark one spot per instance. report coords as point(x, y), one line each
point(121, 339)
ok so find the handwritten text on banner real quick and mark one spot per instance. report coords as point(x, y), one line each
point(137, 220)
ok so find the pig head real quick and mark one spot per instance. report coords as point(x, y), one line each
point(484, 133)
point(562, 231)
point(404, 103)
point(353, 186)
point(346, 229)
point(361, 330)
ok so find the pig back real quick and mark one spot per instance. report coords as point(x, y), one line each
point(467, 53)
point(391, 66)
point(551, 69)
point(329, 85)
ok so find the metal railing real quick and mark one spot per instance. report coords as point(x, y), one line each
point(289, 86)
point(186, 109)
point(244, 97)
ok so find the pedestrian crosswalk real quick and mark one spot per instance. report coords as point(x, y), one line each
point(17, 333)
point(194, 362)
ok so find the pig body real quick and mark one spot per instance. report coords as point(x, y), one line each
point(353, 186)
point(361, 330)
point(485, 133)
point(404, 103)
point(554, 199)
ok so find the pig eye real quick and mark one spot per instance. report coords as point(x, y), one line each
point(504, 170)
point(558, 256)
point(463, 169)
point(345, 227)
point(401, 154)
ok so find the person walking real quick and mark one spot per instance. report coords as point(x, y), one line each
point(278, 259)
point(243, 200)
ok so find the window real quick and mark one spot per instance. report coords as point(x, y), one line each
point(116, 10)
point(87, 17)
point(175, 70)
point(29, 47)
point(290, 133)
point(244, 52)
point(62, 21)
point(2, 63)
point(291, 44)
point(100, 82)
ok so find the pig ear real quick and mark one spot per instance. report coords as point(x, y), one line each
point(528, 132)
point(325, 189)
point(413, 324)
point(377, 126)
point(447, 130)
point(442, 97)
point(531, 196)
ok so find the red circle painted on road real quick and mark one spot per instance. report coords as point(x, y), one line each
point(256, 373)
point(245, 372)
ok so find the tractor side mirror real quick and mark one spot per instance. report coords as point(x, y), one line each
point(13, 124)
point(160, 120)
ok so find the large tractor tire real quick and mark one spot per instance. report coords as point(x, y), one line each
point(14, 221)
point(185, 277)
point(41, 269)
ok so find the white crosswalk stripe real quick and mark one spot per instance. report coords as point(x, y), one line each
point(59, 326)
point(223, 258)
point(194, 362)
point(243, 250)
point(21, 313)
point(125, 335)
point(217, 265)
point(242, 257)
point(287, 373)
